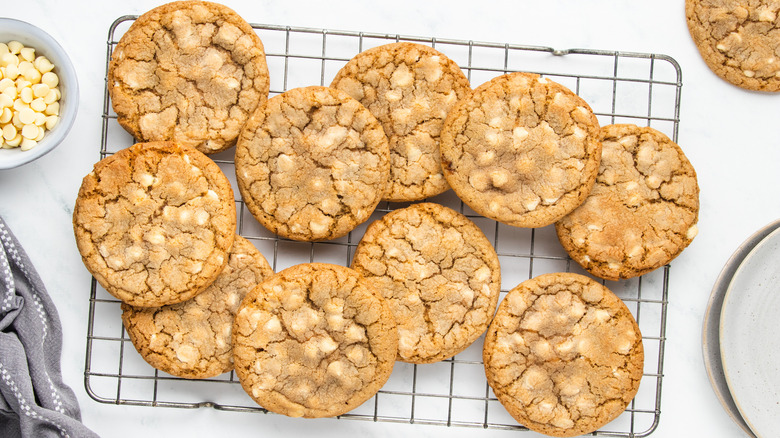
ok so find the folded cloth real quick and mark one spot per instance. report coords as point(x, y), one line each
point(34, 401)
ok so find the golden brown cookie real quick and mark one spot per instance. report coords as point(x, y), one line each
point(739, 40)
point(563, 354)
point(522, 150)
point(193, 339)
point(154, 223)
point(439, 274)
point(314, 340)
point(642, 211)
point(188, 71)
point(410, 88)
point(312, 164)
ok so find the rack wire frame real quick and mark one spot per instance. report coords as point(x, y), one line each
point(621, 87)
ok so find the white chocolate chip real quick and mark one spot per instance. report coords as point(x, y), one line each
point(273, 325)
point(486, 158)
point(146, 179)
point(692, 232)
point(25, 99)
point(402, 77)
point(492, 137)
point(531, 203)
point(319, 227)
point(155, 237)
point(482, 274)
point(519, 133)
point(355, 333)
point(767, 15)
point(336, 368)
point(635, 251)
point(393, 95)
point(201, 217)
point(499, 177)
point(187, 354)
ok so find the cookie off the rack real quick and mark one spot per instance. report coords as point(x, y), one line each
point(563, 354)
point(521, 149)
point(738, 40)
point(154, 223)
point(188, 71)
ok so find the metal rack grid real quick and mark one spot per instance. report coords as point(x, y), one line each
point(621, 87)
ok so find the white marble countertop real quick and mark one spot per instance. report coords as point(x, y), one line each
point(729, 134)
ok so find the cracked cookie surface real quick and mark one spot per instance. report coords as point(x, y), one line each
point(563, 354)
point(739, 40)
point(410, 88)
point(312, 164)
point(188, 71)
point(192, 339)
point(439, 274)
point(154, 223)
point(642, 211)
point(314, 340)
point(522, 150)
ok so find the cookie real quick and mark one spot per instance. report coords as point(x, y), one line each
point(738, 40)
point(522, 150)
point(439, 274)
point(193, 339)
point(188, 71)
point(563, 354)
point(410, 88)
point(642, 211)
point(154, 223)
point(312, 164)
point(314, 340)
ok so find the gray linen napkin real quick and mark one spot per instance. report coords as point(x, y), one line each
point(34, 401)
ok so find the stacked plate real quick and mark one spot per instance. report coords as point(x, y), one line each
point(740, 341)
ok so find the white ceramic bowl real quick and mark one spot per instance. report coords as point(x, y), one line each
point(44, 44)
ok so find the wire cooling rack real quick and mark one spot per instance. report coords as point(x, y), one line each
point(621, 87)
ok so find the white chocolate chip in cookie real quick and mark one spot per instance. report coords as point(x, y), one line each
point(500, 177)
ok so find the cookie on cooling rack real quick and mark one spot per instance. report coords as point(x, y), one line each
point(193, 339)
point(314, 340)
point(642, 211)
point(410, 88)
point(312, 164)
point(188, 71)
point(154, 223)
point(439, 274)
point(738, 40)
point(522, 150)
point(563, 354)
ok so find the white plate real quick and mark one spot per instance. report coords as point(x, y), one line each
point(749, 341)
point(711, 326)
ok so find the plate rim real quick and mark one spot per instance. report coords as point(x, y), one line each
point(711, 324)
point(769, 238)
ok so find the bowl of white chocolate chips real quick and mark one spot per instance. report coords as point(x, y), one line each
point(39, 93)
